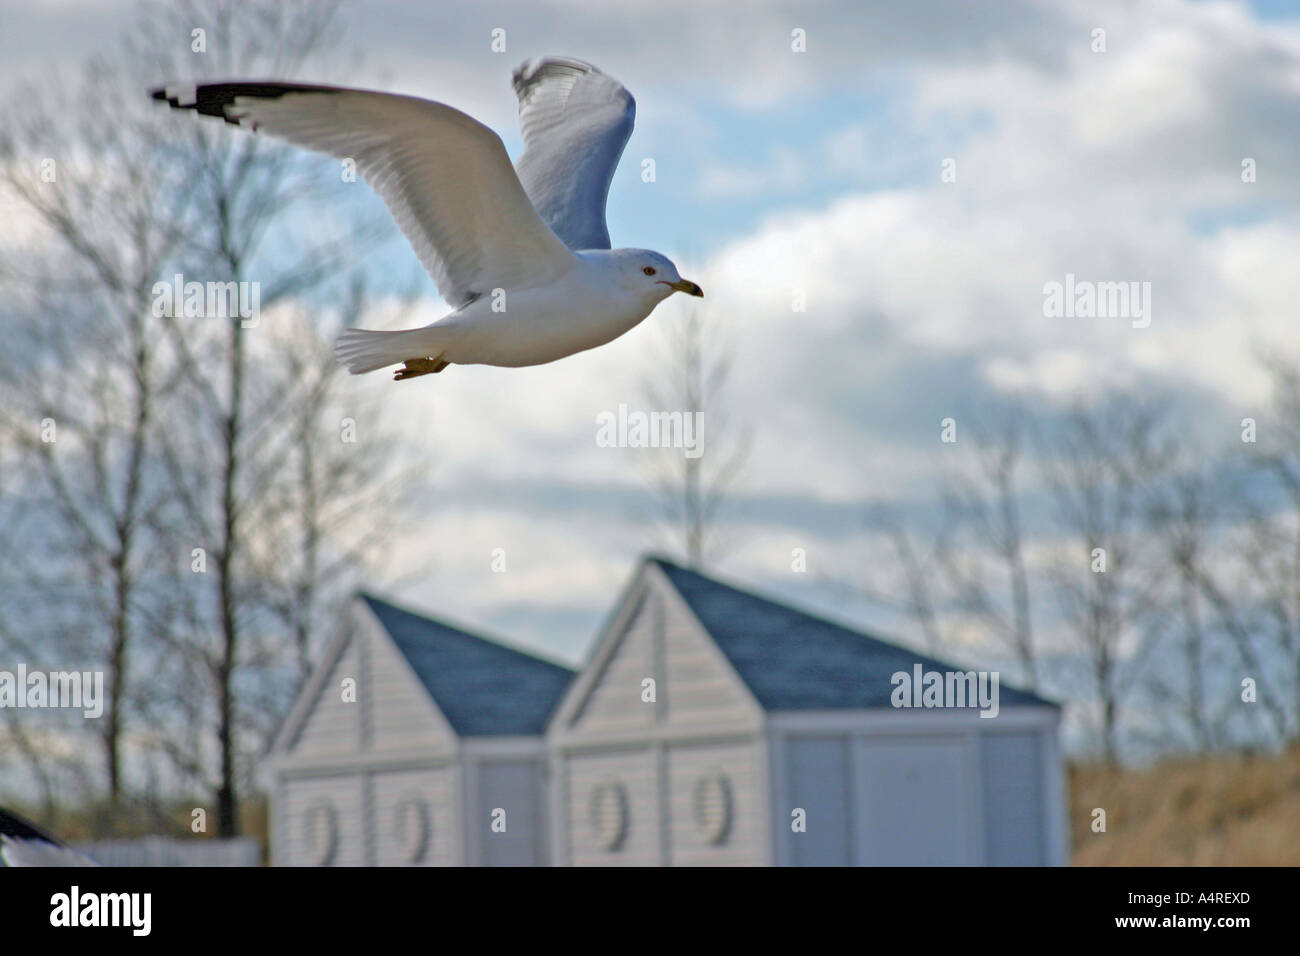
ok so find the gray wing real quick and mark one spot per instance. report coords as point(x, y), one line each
point(576, 121)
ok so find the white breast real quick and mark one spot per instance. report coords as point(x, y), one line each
point(582, 310)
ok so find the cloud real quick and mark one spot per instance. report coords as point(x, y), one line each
point(783, 171)
point(923, 298)
point(926, 300)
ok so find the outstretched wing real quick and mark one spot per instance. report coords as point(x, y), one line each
point(576, 121)
point(446, 178)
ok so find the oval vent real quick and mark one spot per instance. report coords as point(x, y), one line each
point(321, 833)
point(411, 828)
point(711, 805)
point(609, 814)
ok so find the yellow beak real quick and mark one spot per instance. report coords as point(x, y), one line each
point(687, 286)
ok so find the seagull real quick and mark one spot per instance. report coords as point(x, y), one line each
point(521, 254)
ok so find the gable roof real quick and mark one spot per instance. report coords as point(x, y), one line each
point(482, 687)
point(793, 660)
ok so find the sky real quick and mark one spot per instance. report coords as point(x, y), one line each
point(916, 174)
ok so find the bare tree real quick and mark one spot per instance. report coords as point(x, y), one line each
point(1184, 519)
point(1098, 466)
point(213, 486)
point(84, 358)
point(911, 589)
point(690, 491)
point(254, 422)
point(332, 509)
point(1254, 590)
point(984, 508)
point(1165, 575)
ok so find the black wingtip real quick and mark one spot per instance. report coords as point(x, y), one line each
point(211, 99)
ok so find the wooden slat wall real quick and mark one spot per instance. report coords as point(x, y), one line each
point(403, 718)
point(437, 789)
point(615, 701)
point(701, 689)
point(333, 725)
point(695, 686)
point(343, 793)
point(392, 714)
point(635, 770)
point(697, 693)
point(739, 762)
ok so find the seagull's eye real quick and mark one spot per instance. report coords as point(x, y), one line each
point(649, 270)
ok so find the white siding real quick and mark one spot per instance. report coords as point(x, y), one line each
point(634, 771)
point(402, 714)
point(333, 726)
point(391, 711)
point(695, 686)
point(615, 699)
point(701, 687)
point(744, 840)
point(403, 799)
point(703, 723)
point(311, 802)
point(362, 759)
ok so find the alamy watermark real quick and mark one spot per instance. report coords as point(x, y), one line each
point(1085, 299)
point(946, 689)
point(208, 300)
point(133, 911)
point(638, 429)
point(79, 690)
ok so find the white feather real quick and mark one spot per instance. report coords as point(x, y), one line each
point(365, 350)
point(576, 121)
point(446, 178)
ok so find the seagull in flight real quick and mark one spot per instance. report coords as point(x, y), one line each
point(521, 254)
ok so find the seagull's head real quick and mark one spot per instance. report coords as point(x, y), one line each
point(655, 275)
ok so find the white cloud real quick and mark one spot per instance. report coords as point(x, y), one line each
point(1101, 165)
point(783, 171)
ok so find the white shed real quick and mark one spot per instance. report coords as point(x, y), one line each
point(710, 726)
point(415, 743)
point(714, 726)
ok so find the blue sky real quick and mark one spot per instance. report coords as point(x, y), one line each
point(820, 172)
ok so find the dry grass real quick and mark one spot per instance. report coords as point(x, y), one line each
point(99, 821)
point(1198, 811)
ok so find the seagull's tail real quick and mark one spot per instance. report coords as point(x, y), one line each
point(365, 350)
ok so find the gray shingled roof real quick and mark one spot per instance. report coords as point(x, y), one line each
point(484, 688)
point(793, 660)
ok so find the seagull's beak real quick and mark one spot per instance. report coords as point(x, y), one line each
point(687, 286)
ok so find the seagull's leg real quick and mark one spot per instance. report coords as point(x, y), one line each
point(420, 366)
